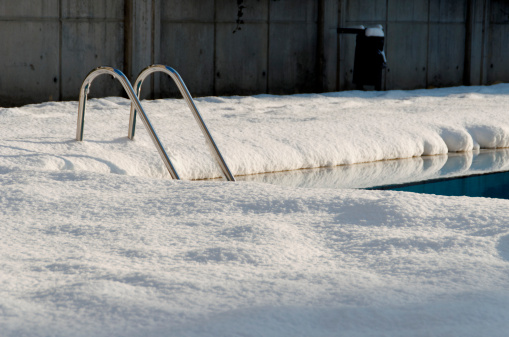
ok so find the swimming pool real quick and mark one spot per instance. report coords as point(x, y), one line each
point(484, 169)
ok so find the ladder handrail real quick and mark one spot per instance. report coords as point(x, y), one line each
point(85, 88)
point(190, 102)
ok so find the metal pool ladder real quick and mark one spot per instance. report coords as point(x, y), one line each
point(136, 105)
point(190, 103)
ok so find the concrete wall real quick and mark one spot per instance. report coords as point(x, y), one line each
point(425, 41)
point(496, 55)
point(274, 50)
point(432, 43)
point(49, 46)
point(283, 46)
point(92, 35)
point(30, 60)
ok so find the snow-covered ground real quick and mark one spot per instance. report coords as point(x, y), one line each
point(96, 240)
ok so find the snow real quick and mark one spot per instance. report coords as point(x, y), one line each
point(96, 240)
point(374, 31)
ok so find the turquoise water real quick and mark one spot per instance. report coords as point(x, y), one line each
point(494, 185)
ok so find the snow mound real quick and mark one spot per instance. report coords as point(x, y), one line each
point(98, 241)
point(257, 134)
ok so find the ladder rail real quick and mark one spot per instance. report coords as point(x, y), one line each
point(190, 103)
point(117, 74)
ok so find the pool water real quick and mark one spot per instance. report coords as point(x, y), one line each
point(494, 185)
point(477, 174)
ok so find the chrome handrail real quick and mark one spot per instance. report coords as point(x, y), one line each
point(85, 88)
point(190, 102)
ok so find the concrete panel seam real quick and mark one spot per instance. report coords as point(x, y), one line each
point(60, 46)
